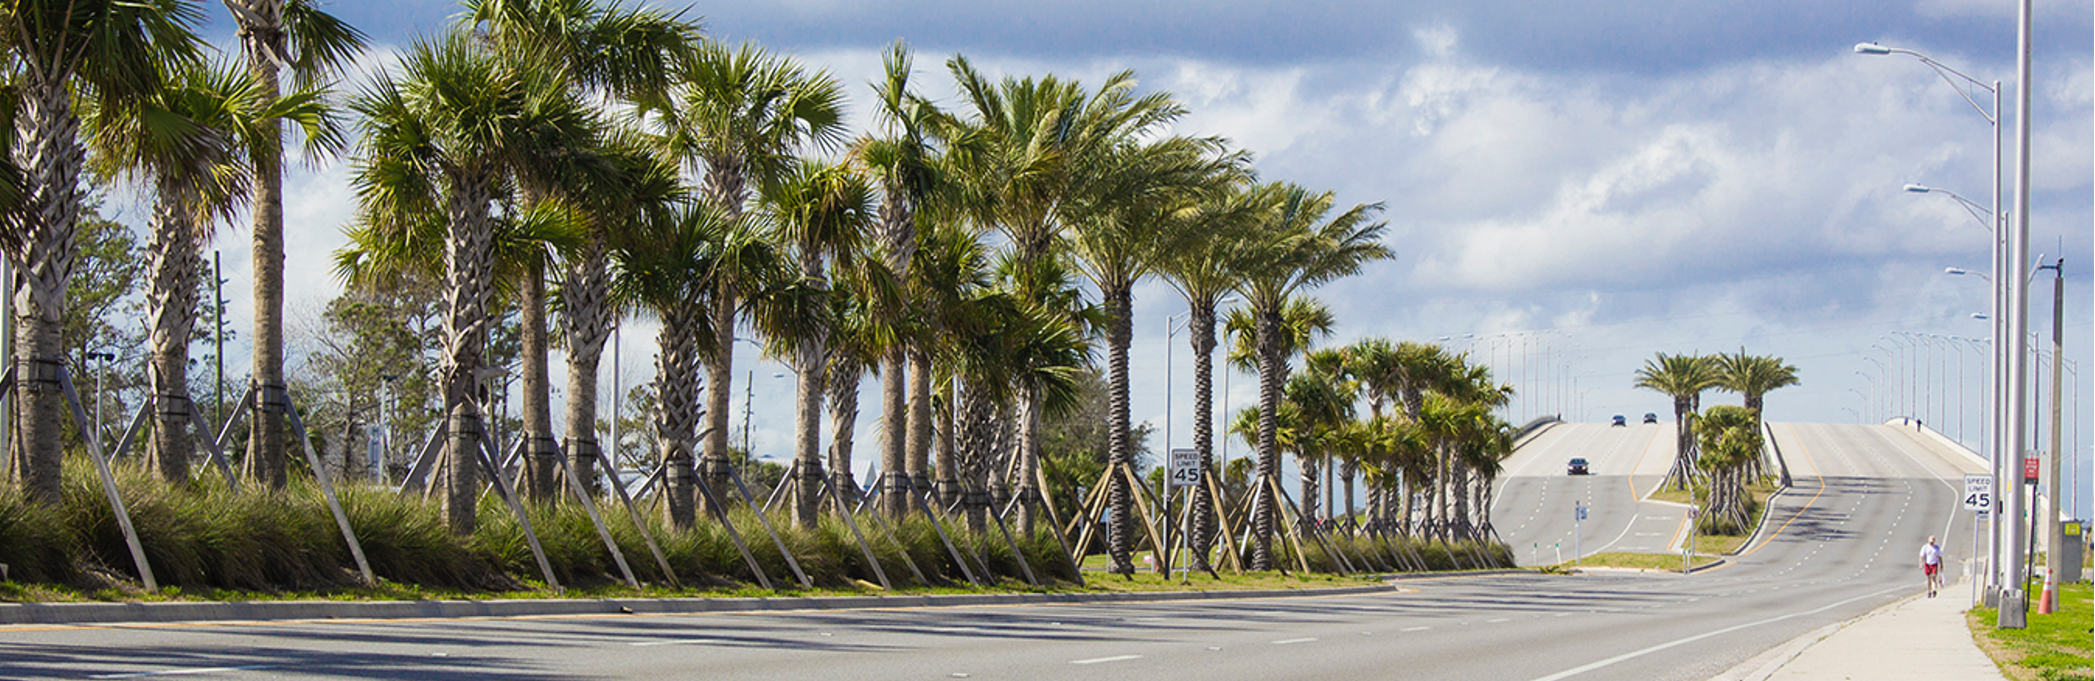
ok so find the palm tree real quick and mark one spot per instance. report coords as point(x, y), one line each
point(742, 114)
point(665, 263)
point(1029, 151)
point(1133, 214)
point(1731, 440)
point(1303, 245)
point(1682, 377)
point(193, 141)
point(618, 52)
point(1325, 403)
point(315, 46)
point(442, 139)
point(822, 210)
point(59, 49)
point(904, 161)
point(1203, 270)
point(1753, 377)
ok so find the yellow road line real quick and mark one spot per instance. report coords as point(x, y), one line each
point(1634, 496)
point(1806, 451)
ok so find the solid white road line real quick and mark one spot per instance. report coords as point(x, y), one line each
point(183, 672)
point(1289, 641)
point(673, 642)
point(1115, 658)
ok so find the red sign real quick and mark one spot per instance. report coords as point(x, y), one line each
point(2029, 468)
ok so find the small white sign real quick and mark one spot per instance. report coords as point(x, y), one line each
point(1978, 492)
point(1185, 467)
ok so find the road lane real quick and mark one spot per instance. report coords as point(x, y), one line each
point(1532, 509)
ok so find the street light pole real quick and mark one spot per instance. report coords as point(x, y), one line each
point(2013, 615)
point(1996, 220)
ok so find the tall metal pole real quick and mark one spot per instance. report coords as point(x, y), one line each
point(2052, 535)
point(617, 400)
point(1999, 412)
point(2013, 610)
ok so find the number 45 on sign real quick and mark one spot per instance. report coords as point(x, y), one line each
point(1978, 493)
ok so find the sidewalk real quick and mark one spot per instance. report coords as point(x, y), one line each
point(1917, 639)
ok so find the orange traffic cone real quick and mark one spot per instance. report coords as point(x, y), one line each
point(2050, 600)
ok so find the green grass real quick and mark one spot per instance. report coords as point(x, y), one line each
point(2054, 646)
point(1669, 562)
point(1730, 540)
point(206, 543)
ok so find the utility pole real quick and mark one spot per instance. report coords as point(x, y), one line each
point(218, 355)
point(2053, 538)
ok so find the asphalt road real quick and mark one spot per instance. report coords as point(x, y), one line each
point(1533, 508)
point(1842, 543)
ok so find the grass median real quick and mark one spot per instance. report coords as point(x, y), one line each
point(2053, 647)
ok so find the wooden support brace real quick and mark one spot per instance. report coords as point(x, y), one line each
point(632, 512)
point(863, 547)
point(574, 485)
point(225, 430)
point(327, 490)
point(123, 445)
point(487, 464)
point(940, 528)
point(805, 583)
point(116, 501)
point(218, 457)
point(720, 513)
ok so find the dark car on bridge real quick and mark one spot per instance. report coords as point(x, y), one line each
point(1576, 467)
point(1619, 421)
point(1650, 417)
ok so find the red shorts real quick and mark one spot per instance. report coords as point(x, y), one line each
point(1929, 569)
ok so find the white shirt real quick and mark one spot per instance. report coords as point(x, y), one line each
point(1931, 555)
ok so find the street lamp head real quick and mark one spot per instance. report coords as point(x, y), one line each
point(1871, 48)
point(1958, 271)
point(1979, 315)
point(1918, 188)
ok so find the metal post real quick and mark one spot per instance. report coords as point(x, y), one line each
point(617, 400)
point(2012, 610)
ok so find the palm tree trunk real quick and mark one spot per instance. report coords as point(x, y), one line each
point(174, 266)
point(586, 323)
point(917, 443)
point(468, 273)
point(265, 462)
point(1120, 453)
point(1681, 435)
point(1270, 379)
point(843, 420)
point(1347, 471)
point(1306, 469)
point(1028, 450)
point(541, 447)
point(1202, 321)
point(676, 410)
point(808, 394)
point(894, 406)
point(720, 370)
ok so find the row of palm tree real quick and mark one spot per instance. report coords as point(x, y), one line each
point(1428, 446)
point(535, 154)
point(122, 88)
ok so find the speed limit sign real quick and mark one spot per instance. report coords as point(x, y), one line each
point(1978, 492)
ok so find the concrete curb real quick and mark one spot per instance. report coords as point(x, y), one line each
point(120, 613)
point(1408, 577)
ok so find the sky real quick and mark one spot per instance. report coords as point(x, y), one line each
point(1569, 187)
